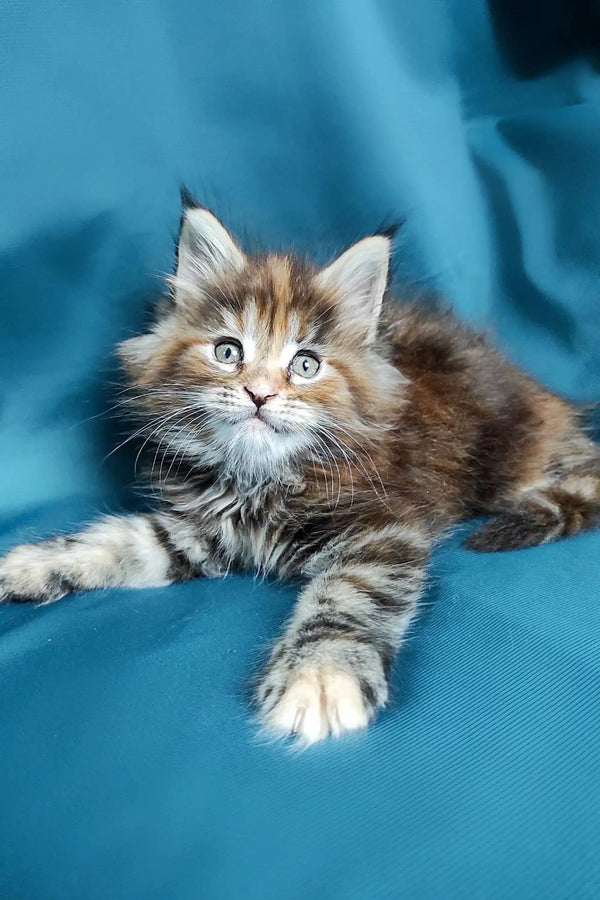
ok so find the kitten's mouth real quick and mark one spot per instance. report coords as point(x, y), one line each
point(258, 422)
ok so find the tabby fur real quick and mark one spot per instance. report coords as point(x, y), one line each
point(345, 481)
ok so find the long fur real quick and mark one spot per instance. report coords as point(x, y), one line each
point(346, 480)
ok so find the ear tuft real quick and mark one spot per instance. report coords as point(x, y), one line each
point(359, 278)
point(391, 229)
point(188, 201)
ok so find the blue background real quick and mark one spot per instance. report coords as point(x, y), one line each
point(130, 766)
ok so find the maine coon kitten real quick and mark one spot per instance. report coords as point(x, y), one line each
point(302, 430)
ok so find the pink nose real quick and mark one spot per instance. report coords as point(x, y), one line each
point(259, 397)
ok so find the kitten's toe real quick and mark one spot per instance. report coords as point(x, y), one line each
point(299, 710)
point(317, 701)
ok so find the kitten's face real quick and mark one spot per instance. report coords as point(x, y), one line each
point(261, 363)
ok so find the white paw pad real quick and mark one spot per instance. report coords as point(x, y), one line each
point(318, 701)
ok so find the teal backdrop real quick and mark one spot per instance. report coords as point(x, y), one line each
point(129, 764)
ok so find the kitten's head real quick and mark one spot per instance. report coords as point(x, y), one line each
point(261, 363)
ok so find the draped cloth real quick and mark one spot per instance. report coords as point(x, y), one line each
point(130, 765)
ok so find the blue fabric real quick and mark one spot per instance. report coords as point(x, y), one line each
point(129, 764)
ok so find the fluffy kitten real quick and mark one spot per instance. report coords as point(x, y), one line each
point(301, 430)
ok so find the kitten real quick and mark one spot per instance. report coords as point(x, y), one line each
point(303, 428)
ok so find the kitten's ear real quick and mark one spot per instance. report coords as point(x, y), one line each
point(205, 248)
point(359, 278)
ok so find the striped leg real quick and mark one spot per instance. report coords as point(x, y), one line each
point(328, 673)
point(117, 551)
point(561, 503)
point(539, 516)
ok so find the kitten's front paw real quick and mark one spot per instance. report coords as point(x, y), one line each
point(31, 572)
point(317, 701)
point(316, 698)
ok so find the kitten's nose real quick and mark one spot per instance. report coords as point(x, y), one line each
point(260, 395)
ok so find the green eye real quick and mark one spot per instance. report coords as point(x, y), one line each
point(228, 352)
point(305, 364)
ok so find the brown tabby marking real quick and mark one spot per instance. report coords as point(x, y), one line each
point(343, 478)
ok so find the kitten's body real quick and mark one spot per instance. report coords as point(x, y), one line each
point(344, 479)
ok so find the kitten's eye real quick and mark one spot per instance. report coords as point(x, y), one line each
point(228, 352)
point(305, 364)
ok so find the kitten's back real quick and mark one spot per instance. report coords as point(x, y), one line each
point(496, 439)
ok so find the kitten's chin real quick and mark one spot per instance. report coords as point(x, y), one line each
point(255, 450)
